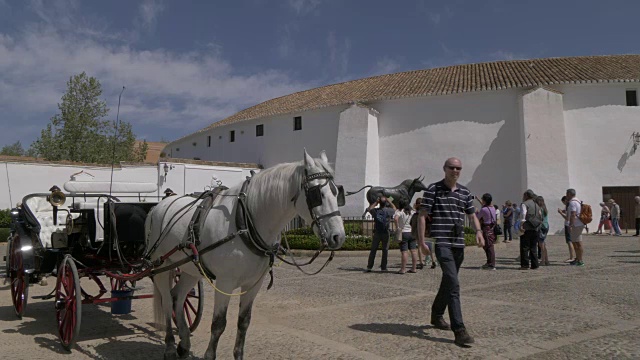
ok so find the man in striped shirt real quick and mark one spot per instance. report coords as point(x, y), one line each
point(446, 203)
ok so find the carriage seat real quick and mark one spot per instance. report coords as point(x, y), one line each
point(43, 212)
point(97, 205)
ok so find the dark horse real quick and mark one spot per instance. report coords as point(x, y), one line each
point(404, 191)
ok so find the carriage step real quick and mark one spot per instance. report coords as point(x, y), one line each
point(43, 297)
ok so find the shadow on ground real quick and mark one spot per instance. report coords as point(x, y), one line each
point(401, 330)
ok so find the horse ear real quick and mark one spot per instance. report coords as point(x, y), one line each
point(308, 160)
point(323, 156)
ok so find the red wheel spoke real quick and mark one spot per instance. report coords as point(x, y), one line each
point(186, 312)
point(188, 303)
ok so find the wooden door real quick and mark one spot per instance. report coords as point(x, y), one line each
point(623, 196)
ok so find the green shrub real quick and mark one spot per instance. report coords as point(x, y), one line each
point(470, 239)
point(4, 234)
point(352, 242)
point(5, 218)
point(304, 239)
point(353, 228)
point(300, 231)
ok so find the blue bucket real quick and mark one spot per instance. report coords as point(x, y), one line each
point(121, 307)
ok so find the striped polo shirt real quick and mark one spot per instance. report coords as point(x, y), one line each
point(447, 208)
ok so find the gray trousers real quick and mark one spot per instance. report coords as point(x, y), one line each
point(377, 238)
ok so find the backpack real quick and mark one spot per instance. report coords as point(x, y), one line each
point(381, 221)
point(536, 219)
point(585, 213)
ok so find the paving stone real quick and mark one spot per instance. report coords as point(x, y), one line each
point(555, 312)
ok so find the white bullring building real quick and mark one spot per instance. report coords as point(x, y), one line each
point(544, 124)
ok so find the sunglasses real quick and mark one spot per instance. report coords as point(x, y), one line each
point(455, 168)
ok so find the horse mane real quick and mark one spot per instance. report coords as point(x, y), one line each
point(278, 184)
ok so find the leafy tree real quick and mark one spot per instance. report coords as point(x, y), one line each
point(80, 133)
point(13, 149)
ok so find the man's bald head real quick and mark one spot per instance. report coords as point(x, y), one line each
point(453, 161)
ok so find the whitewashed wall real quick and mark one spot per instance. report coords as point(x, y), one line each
point(19, 179)
point(482, 129)
point(508, 140)
point(279, 144)
point(545, 149)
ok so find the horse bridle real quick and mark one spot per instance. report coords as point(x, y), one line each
point(313, 195)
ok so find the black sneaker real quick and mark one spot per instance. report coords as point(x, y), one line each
point(462, 337)
point(439, 323)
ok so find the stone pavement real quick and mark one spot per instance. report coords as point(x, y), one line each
point(555, 312)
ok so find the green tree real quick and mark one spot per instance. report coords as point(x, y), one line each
point(80, 133)
point(13, 149)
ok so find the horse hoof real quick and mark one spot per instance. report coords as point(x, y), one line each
point(182, 353)
point(171, 356)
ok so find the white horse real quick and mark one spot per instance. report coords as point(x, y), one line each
point(273, 197)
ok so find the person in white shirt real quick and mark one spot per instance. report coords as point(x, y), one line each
point(576, 226)
point(403, 235)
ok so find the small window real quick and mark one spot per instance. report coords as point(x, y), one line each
point(297, 123)
point(260, 130)
point(232, 136)
point(208, 141)
point(194, 143)
point(632, 98)
point(177, 149)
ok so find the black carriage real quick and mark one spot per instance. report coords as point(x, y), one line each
point(83, 235)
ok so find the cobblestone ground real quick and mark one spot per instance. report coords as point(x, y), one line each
point(555, 312)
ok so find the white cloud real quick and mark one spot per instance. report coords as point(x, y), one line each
point(386, 65)
point(338, 54)
point(506, 55)
point(149, 12)
point(303, 7)
point(165, 90)
point(59, 12)
point(435, 16)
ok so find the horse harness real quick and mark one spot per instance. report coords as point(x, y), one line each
point(247, 230)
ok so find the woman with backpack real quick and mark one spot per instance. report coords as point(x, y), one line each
point(487, 218)
point(544, 230)
point(403, 234)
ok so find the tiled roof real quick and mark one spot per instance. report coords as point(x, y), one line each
point(154, 150)
point(451, 80)
point(212, 163)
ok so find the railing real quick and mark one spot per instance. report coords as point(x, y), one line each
point(353, 225)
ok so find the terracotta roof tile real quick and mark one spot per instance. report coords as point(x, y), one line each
point(451, 79)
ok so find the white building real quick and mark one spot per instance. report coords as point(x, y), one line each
point(544, 124)
point(22, 176)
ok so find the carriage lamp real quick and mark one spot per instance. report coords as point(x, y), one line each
point(166, 169)
point(26, 248)
point(57, 198)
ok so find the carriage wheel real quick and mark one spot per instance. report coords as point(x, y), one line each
point(19, 280)
point(193, 305)
point(68, 303)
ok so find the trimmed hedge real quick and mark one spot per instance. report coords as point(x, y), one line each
point(352, 242)
point(5, 218)
point(4, 234)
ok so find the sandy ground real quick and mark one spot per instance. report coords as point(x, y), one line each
point(555, 312)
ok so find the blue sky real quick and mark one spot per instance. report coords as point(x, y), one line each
point(187, 64)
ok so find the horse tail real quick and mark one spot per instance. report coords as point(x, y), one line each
point(162, 284)
point(355, 192)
